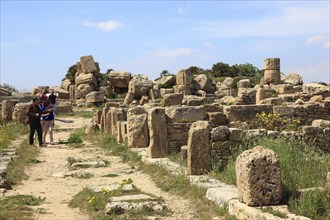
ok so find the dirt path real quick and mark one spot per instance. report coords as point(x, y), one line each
point(45, 178)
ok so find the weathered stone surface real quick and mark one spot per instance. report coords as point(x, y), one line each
point(139, 86)
point(183, 77)
point(107, 91)
point(284, 110)
point(64, 108)
point(158, 146)
point(293, 79)
point(204, 83)
point(5, 92)
point(88, 64)
point(246, 112)
point(129, 98)
point(321, 123)
point(217, 119)
point(284, 89)
point(166, 81)
point(119, 79)
point(185, 113)
point(97, 117)
point(87, 78)
point(244, 83)
point(192, 100)
point(82, 90)
point(137, 127)
point(227, 83)
point(184, 89)
point(236, 134)
point(19, 112)
point(199, 156)
point(173, 99)
point(220, 133)
point(258, 177)
point(272, 77)
point(95, 97)
point(272, 64)
point(184, 153)
point(153, 94)
point(163, 92)
point(7, 109)
point(66, 84)
point(314, 87)
point(316, 98)
point(264, 93)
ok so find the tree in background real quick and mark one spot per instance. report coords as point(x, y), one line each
point(165, 73)
point(71, 73)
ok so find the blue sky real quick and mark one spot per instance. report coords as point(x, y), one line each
point(40, 40)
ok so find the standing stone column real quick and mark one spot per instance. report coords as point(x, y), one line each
point(184, 77)
point(7, 109)
point(258, 177)
point(199, 156)
point(137, 127)
point(158, 146)
point(272, 74)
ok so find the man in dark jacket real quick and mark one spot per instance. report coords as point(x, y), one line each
point(34, 114)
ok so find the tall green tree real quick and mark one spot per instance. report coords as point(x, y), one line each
point(71, 73)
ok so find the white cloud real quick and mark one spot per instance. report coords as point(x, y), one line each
point(290, 21)
point(177, 52)
point(319, 40)
point(319, 71)
point(184, 10)
point(31, 40)
point(208, 45)
point(111, 25)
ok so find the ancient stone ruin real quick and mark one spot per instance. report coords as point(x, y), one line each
point(203, 120)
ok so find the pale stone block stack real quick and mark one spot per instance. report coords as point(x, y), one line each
point(19, 112)
point(258, 176)
point(272, 74)
point(264, 93)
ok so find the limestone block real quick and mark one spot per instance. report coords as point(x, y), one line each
point(163, 92)
point(107, 91)
point(117, 114)
point(284, 110)
point(199, 156)
point(97, 117)
point(87, 78)
point(158, 146)
point(137, 127)
point(173, 99)
point(316, 98)
point(293, 79)
point(245, 112)
point(184, 154)
point(264, 93)
point(220, 133)
point(185, 113)
point(272, 64)
point(153, 94)
point(144, 100)
point(119, 79)
point(66, 84)
point(204, 83)
point(183, 77)
point(284, 89)
point(82, 90)
point(258, 177)
point(236, 134)
point(95, 97)
point(119, 134)
point(272, 77)
point(5, 92)
point(129, 98)
point(217, 119)
point(139, 86)
point(88, 64)
point(64, 108)
point(321, 123)
point(184, 89)
point(244, 83)
point(192, 100)
point(314, 87)
point(19, 112)
point(123, 128)
point(104, 117)
point(7, 109)
point(166, 81)
point(227, 83)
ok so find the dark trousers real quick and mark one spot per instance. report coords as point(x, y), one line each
point(35, 126)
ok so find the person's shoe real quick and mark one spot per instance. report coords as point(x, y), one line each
point(52, 143)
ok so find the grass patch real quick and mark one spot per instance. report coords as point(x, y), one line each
point(10, 131)
point(26, 155)
point(273, 212)
point(18, 207)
